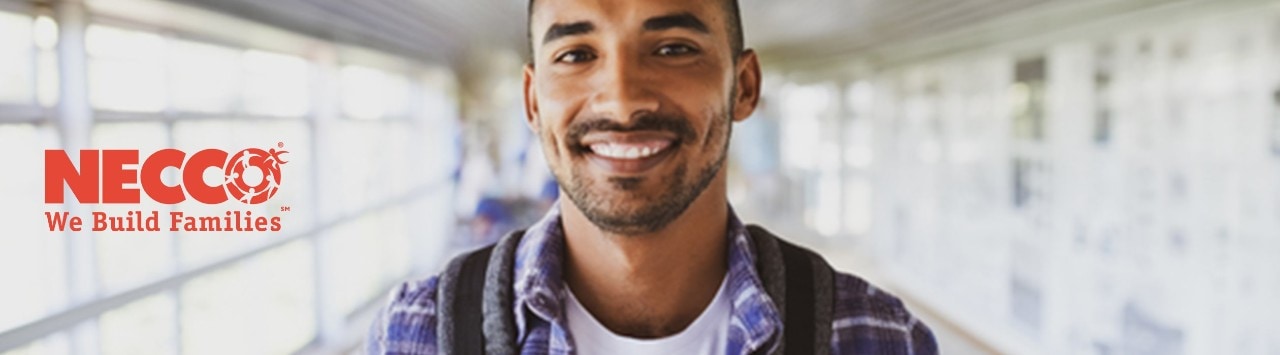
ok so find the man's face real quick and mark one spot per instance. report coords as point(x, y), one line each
point(633, 102)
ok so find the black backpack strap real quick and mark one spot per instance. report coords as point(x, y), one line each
point(806, 295)
point(468, 331)
point(475, 292)
point(499, 296)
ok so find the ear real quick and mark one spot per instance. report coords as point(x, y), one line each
point(530, 100)
point(748, 81)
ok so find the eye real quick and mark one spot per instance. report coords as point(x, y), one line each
point(675, 49)
point(575, 56)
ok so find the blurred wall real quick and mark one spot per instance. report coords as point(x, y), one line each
point(1107, 185)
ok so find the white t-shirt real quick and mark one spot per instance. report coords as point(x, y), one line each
point(706, 335)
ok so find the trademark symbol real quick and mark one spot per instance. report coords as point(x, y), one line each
point(284, 208)
point(279, 144)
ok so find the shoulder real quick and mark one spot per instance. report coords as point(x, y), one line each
point(867, 320)
point(856, 298)
point(407, 323)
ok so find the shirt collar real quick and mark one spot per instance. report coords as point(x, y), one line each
point(538, 269)
point(539, 284)
point(754, 313)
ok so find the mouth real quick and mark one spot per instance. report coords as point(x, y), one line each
point(628, 153)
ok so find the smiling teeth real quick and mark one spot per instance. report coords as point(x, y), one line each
point(620, 151)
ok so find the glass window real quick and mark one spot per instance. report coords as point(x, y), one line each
point(275, 84)
point(859, 98)
point(46, 39)
point(372, 94)
point(124, 69)
point(822, 210)
point(32, 259)
point(44, 33)
point(128, 259)
point(264, 305)
point(858, 205)
point(48, 83)
point(206, 78)
point(16, 58)
point(143, 327)
point(369, 168)
point(858, 148)
point(802, 107)
point(437, 101)
point(441, 130)
point(366, 256)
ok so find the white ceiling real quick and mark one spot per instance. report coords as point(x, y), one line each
point(448, 31)
point(815, 28)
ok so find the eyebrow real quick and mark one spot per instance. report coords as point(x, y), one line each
point(681, 20)
point(561, 30)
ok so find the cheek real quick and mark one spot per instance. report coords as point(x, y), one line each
point(714, 120)
point(559, 157)
point(551, 144)
point(717, 133)
point(556, 104)
point(712, 95)
point(554, 88)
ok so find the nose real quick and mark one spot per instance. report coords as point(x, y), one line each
point(624, 90)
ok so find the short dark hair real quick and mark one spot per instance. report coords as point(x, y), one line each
point(733, 26)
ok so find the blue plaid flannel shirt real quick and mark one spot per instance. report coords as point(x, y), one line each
point(866, 320)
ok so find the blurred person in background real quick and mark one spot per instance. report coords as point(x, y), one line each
point(634, 103)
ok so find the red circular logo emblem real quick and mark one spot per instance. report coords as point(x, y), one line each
point(266, 162)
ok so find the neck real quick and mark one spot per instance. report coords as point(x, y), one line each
point(655, 284)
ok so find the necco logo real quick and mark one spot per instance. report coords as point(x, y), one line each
point(118, 176)
point(102, 176)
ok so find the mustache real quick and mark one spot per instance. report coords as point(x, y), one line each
point(677, 125)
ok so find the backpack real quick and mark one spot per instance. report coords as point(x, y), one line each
point(475, 297)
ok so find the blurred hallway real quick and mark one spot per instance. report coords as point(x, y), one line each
point(1030, 176)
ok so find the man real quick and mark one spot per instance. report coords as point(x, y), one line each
point(633, 102)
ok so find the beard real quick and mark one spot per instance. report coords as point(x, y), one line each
point(617, 205)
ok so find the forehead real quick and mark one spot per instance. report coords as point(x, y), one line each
point(620, 14)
